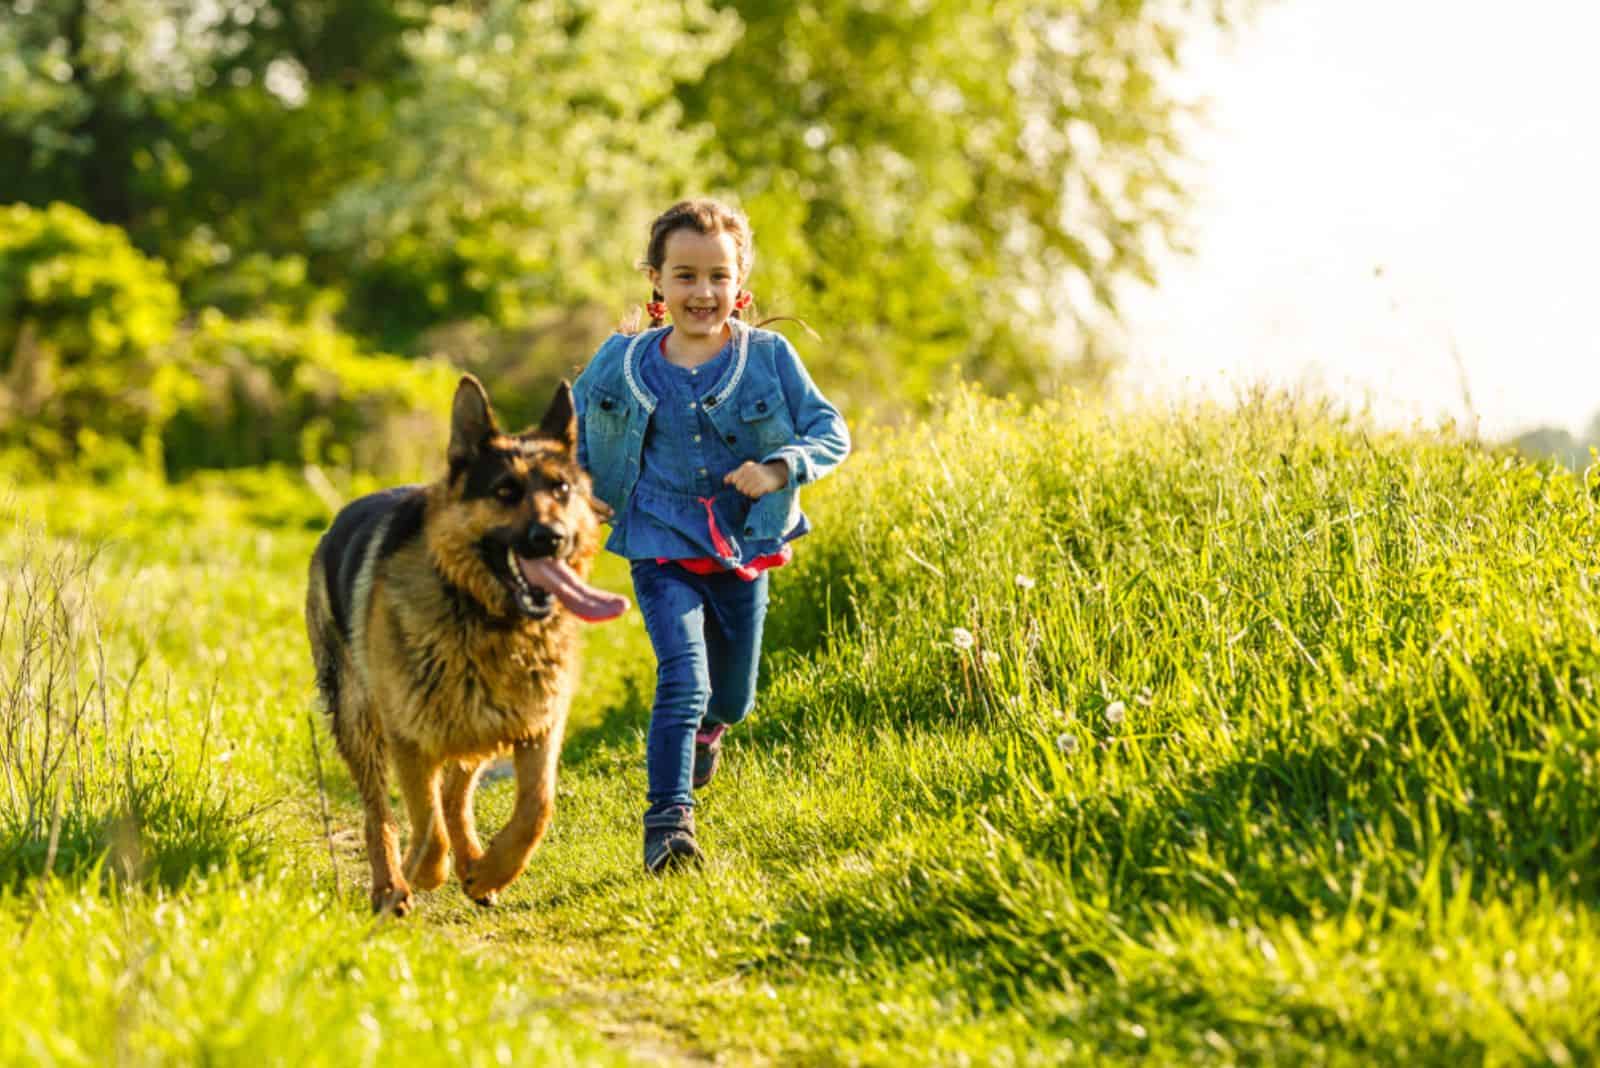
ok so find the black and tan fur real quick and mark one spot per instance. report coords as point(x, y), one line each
point(427, 660)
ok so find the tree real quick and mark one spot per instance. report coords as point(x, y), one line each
point(204, 130)
point(932, 183)
point(942, 182)
point(523, 171)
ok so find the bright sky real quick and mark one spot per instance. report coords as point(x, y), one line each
point(1379, 180)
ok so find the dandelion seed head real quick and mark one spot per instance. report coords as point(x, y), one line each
point(1067, 743)
point(1116, 712)
point(962, 638)
point(1025, 582)
point(991, 657)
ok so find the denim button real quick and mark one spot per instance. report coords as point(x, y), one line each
point(732, 438)
point(711, 402)
point(749, 531)
point(761, 406)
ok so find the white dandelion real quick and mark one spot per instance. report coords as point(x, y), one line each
point(962, 638)
point(1067, 743)
point(990, 657)
point(1025, 582)
point(1116, 712)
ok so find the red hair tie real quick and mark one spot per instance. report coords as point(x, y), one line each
point(744, 301)
point(656, 309)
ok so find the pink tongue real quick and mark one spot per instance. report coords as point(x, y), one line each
point(583, 600)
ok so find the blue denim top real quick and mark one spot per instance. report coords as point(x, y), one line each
point(756, 403)
point(684, 460)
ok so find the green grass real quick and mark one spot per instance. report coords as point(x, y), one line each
point(1249, 736)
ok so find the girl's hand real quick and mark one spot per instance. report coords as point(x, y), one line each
point(758, 480)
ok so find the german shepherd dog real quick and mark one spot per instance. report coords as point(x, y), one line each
point(444, 626)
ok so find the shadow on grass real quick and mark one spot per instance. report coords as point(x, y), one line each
point(621, 724)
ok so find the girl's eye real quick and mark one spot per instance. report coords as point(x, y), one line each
point(508, 492)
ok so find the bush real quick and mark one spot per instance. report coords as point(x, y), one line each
point(268, 391)
point(84, 317)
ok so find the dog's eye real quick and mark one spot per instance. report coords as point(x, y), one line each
point(561, 491)
point(508, 492)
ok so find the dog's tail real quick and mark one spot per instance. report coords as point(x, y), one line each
point(323, 632)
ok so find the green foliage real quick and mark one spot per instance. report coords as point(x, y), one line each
point(94, 370)
point(83, 319)
point(933, 185)
point(524, 170)
point(237, 172)
point(270, 391)
point(945, 183)
point(152, 113)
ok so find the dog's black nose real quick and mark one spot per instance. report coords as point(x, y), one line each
point(542, 540)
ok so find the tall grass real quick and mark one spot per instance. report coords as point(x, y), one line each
point(83, 791)
point(1207, 735)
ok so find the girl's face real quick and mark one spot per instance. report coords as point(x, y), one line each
point(699, 278)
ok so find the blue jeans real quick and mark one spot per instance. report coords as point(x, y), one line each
point(706, 632)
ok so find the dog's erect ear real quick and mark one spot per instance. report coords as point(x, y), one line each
point(561, 419)
point(471, 421)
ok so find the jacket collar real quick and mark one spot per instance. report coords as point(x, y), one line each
point(641, 344)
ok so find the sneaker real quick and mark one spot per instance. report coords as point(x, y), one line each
point(669, 840)
point(707, 753)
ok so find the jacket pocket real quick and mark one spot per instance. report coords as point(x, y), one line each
point(766, 419)
point(605, 444)
point(606, 415)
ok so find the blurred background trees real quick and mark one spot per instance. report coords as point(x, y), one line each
point(264, 184)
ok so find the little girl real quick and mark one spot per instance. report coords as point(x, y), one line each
point(699, 436)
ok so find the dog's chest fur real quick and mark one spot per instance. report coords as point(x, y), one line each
point(459, 682)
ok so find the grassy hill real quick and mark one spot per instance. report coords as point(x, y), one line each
point(1215, 735)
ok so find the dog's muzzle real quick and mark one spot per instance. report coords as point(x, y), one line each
point(540, 576)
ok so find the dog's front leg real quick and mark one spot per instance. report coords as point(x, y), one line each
point(508, 853)
point(460, 781)
point(419, 784)
point(365, 750)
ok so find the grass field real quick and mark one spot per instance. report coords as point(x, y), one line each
point(1226, 736)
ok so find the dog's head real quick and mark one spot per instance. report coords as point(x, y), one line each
point(520, 523)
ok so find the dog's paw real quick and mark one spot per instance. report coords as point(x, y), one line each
point(475, 891)
point(393, 900)
point(429, 872)
point(484, 881)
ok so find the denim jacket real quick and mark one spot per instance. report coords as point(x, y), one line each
point(764, 406)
